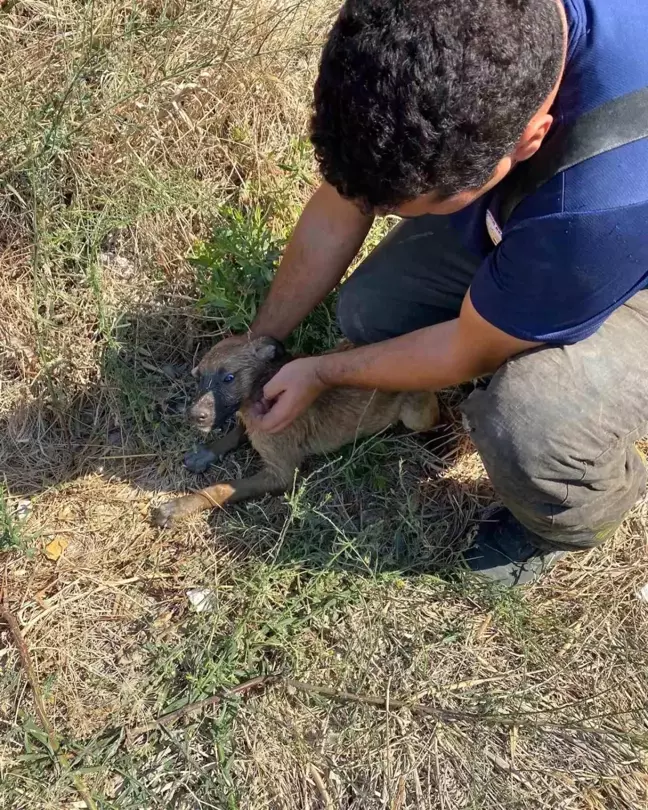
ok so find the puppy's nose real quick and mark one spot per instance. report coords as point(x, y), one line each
point(200, 415)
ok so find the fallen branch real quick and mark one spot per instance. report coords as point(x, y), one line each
point(381, 702)
point(200, 705)
point(443, 715)
point(450, 716)
point(63, 759)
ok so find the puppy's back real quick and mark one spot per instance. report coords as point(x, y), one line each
point(338, 417)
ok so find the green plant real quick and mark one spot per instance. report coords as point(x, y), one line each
point(235, 270)
point(10, 535)
point(235, 267)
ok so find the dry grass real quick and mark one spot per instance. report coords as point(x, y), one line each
point(127, 130)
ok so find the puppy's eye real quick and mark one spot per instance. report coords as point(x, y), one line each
point(228, 378)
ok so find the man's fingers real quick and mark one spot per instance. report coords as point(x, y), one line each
point(260, 407)
point(278, 417)
point(278, 428)
point(272, 389)
point(272, 424)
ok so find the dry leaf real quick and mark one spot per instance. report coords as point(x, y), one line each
point(66, 513)
point(23, 509)
point(55, 548)
point(163, 620)
point(513, 741)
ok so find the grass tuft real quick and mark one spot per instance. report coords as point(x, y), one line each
point(10, 533)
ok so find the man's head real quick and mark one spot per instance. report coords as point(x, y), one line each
point(423, 105)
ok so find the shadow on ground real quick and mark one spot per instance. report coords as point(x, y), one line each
point(394, 501)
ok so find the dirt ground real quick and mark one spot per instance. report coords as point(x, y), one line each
point(153, 160)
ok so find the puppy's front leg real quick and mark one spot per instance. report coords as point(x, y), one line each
point(199, 460)
point(265, 481)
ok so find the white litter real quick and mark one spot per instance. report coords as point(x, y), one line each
point(202, 599)
point(643, 593)
point(23, 510)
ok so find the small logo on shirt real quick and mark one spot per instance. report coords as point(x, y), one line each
point(494, 230)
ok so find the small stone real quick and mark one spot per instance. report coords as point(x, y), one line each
point(23, 509)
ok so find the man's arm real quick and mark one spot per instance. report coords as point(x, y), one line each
point(325, 241)
point(437, 357)
point(428, 359)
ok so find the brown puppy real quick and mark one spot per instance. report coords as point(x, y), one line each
point(231, 379)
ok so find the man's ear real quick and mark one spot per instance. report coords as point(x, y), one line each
point(533, 137)
point(270, 349)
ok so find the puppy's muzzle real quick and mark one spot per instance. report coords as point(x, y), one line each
point(201, 416)
point(208, 413)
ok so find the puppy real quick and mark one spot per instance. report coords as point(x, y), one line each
point(231, 377)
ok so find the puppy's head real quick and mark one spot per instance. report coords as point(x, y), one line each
point(228, 375)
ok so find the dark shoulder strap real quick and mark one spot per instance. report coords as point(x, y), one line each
point(614, 124)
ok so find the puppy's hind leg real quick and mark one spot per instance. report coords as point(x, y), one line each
point(420, 411)
point(267, 481)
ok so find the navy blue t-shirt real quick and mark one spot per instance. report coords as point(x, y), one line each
point(576, 249)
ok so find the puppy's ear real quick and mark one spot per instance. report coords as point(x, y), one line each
point(269, 349)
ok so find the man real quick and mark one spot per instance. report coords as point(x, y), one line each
point(422, 108)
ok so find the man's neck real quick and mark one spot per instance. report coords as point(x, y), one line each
point(565, 24)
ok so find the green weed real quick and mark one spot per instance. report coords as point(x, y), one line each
point(235, 269)
point(236, 266)
point(11, 534)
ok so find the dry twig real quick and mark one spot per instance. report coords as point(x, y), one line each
point(200, 705)
point(316, 776)
point(445, 715)
point(63, 759)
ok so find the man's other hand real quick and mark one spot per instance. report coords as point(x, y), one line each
point(290, 392)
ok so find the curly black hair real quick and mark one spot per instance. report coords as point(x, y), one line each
point(415, 96)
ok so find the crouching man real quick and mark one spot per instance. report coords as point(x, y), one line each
point(510, 136)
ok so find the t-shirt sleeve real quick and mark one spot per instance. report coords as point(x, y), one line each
point(556, 279)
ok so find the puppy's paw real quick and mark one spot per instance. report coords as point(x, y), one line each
point(163, 515)
point(198, 461)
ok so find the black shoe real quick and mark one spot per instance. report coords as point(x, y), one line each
point(506, 552)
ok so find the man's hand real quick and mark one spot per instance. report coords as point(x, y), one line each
point(291, 391)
